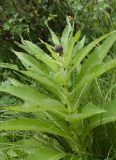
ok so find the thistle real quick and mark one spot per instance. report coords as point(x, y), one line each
point(56, 94)
point(58, 48)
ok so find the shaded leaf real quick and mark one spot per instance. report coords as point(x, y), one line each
point(107, 117)
point(87, 111)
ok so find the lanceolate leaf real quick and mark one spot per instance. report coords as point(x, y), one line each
point(50, 62)
point(27, 108)
point(76, 157)
point(97, 56)
point(95, 72)
point(8, 65)
point(40, 151)
point(48, 83)
point(31, 63)
point(65, 36)
point(30, 48)
point(69, 53)
point(41, 78)
point(3, 156)
point(46, 153)
point(87, 111)
point(29, 94)
point(33, 48)
point(108, 116)
point(53, 53)
point(54, 37)
point(30, 124)
point(77, 36)
point(79, 46)
point(83, 52)
point(45, 58)
point(100, 69)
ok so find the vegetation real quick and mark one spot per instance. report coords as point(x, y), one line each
point(52, 88)
point(58, 96)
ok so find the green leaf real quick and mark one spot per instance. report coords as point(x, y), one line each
point(29, 94)
point(77, 36)
point(30, 124)
point(33, 48)
point(65, 36)
point(107, 117)
point(50, 62)
point(31, 63)
point(69, 53)
point(54, 54)
point(41, 78)
point(40, 55)
point(54, 37)
point(79, 46)
point(87, 111)
point(12, 153)
point(41, 151)
point(74, 157)
point(30, 48)
point(47, 82)
point(8, 65)
point(27, 108)
point(99, 70)
point(83, 52)
point(46, 153)
point(70, 49)
point(97, 56)
point(3, 156)
point(95, 72)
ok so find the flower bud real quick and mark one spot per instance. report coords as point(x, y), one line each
point(58, 48)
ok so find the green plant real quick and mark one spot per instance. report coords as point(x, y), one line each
point(52, 89)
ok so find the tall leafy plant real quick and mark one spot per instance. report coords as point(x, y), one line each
point(52, 90)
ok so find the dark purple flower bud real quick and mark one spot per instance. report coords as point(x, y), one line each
point(58, 48)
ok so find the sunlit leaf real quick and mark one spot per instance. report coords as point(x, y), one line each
point(54, 37)
point(30, 124)
point(65, 35)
